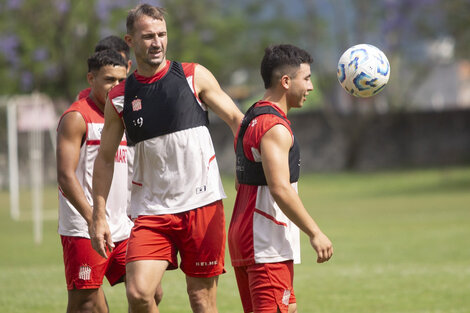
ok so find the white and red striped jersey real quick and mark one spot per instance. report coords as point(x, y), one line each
point(71, 223)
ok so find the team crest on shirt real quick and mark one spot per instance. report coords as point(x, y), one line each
point(136, 105)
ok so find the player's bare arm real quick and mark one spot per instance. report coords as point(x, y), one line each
point(275, 146)
point(210, 92)
point(111, 136)
point(70, 134)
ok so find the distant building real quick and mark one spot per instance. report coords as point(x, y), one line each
point(447, 87)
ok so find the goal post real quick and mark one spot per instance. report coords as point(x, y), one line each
point(13, 171)
point(34, 114)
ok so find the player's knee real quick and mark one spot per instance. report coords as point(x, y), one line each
point(137, 297)
point(201, 303)
point(158, 295)
point(201, 300)
point(85, 305)
point(202, 293)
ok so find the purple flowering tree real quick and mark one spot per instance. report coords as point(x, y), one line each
point(44, 44)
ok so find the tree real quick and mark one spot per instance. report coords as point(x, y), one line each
point(43, 46)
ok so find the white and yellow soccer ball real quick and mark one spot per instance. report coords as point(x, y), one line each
point(363, 70)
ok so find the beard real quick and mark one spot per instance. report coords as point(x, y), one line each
point(153, 62)
point(147, 58)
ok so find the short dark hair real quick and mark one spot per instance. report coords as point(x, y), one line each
point(115, 43)
point(280, 60)
point(105, 57)
point(141, 10)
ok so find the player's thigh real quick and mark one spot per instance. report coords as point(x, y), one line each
point(87, 300)
point(144, 276)
point(206, 284)
point(292, 308)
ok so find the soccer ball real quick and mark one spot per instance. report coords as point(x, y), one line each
point(363, 70)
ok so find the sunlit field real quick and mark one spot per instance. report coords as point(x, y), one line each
point(401, 240)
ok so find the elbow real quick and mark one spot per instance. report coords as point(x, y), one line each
point(104, 159)
point(235, 123)
point(278, 191)
point(64, 180)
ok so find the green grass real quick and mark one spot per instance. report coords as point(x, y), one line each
point(401, 239)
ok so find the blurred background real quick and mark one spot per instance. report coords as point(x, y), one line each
point(387, 177)
point(420, 119)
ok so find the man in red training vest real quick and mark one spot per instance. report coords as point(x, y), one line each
point(263, 237)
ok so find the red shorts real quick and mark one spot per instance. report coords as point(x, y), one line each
point(85, 268)
point(198, 235)
point(266, 287)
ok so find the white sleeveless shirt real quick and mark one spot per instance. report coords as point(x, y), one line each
point(71, 223)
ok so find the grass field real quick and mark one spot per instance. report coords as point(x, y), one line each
point(401, 239)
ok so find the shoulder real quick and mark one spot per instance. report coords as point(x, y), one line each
point(261, 124)
point(72, 121)
point(264, 124)
point(84, 93)
point(78, 107)
point(267, 121)
point(189, 68)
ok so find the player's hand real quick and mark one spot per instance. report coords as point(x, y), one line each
point(101, 237)
point(322, 246)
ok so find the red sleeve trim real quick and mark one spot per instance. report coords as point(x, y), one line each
point(98, 142)
point(75, 107)
point(253, 135)
point(189, 69)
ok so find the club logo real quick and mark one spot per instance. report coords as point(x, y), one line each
point(84, 272)
point(286, 297)
point(136, 105)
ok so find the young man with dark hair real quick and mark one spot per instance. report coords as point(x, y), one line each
point(263, 236)
point(78, 141)
point(114, 43)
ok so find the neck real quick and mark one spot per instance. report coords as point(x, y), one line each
point(99, 104)
point(278, 99)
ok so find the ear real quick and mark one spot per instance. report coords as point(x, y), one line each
point(285, 81)
point(90, 78)
point(128, 39)
point(129, 65)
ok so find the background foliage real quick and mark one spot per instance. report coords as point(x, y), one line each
point(44, 43)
